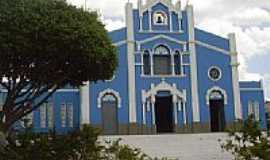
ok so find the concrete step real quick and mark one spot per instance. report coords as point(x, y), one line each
point(178, 146)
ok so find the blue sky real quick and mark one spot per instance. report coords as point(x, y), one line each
point(249, 19)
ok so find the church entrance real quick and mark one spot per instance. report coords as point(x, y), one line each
point(164, 114)
point(217, 115)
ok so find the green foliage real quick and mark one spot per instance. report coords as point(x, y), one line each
point(249, 142)
point(79, 145)
point(46, 45)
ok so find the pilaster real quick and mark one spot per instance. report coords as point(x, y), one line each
point(235, 76)
point(85, 104)
point(193, 63)
point(131, 63)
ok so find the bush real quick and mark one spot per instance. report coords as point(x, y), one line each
point(250, 143)
point(78, 145)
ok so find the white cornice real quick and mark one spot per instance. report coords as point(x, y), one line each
point(251, 89)
point(161, 37)
point(119, 43)
point(212, 47)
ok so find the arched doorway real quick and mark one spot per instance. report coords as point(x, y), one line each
point(109, 114)
point(164, 112)
point(217, 114)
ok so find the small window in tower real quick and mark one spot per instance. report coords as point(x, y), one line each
point(160, 18)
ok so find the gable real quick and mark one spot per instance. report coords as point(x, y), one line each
point(118, 35)
point(210, 39)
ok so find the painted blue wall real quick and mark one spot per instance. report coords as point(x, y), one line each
point(57, 99)
point(253, 91)
point(119, 84)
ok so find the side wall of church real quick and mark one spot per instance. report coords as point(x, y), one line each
point(207, 58)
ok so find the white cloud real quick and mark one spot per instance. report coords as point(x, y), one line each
point(113, 24)
point(249, 19)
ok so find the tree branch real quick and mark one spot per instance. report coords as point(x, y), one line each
point(25, 109)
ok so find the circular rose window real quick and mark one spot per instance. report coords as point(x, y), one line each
point(214, 73)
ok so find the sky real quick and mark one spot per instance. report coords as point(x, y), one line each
point(248, 19)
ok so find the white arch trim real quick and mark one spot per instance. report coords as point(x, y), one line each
point(216, 88)
point(109, 91)
point(164, 86)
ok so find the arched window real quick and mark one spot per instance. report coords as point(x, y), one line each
point(146, 63)
point(162, 60)
point(177, 63)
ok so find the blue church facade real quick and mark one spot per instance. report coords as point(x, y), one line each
point(172, 77)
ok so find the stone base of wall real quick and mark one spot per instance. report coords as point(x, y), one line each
point(123, 129)
point(140, 129)
point(201, 127)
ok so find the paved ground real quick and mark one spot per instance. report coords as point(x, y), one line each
point(179, 146)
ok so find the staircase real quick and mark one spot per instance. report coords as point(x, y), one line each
point(178, 146)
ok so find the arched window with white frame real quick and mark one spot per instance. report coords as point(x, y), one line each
point(162, 61)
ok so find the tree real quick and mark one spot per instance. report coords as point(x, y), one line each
point(249, 142)
point(46, 45)
point(78, 145)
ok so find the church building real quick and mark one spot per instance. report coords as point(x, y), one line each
point(172, 77)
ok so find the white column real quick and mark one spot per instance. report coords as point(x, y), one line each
point(85, 104)
point(153, 111)
point(131, 63)
point(150, 19)
point(184, 113)
point(175, 113)
point(175, 110)
point(171, 24)
point(193, 65)
point(143, 105)
point(235, 77)
point(141, 23)
point(181, 65)
point(148, 106)
point(143, 110)
point(152, 63)
point(172, 63)
point(180, 21)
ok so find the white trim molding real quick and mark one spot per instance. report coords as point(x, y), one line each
point(164, 86)
point(119, 43)
point(131, 64)
point(251, 89)
point(235, 77)
point(160, 37)
point(109, 91)
point(216, 88)
point(209, 46)
point(149, 99)
point(193, 65)
point(85, 104)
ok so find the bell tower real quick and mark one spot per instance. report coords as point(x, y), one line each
point(160, 15)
